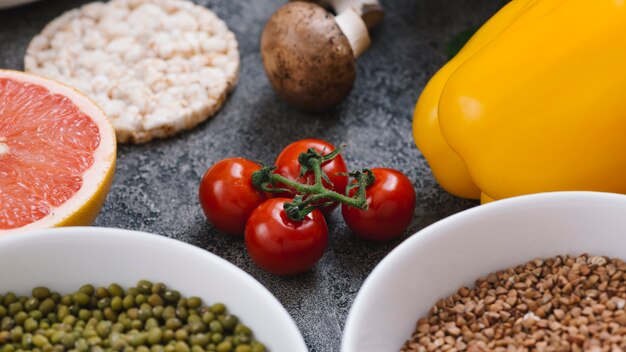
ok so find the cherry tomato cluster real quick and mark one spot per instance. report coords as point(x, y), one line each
point(281, 210)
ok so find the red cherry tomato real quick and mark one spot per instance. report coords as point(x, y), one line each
point(287, 165)
point(283, 246)
point(228, 196)
point(391, 200)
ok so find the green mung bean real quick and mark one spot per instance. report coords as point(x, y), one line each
point(41, 293)
point(149, 317)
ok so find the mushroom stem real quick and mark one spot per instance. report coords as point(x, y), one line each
point(370, 10)
point(355, 30)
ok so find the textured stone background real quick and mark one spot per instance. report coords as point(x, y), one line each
point(156, 184)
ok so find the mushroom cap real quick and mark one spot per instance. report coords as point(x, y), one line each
point(370, 10)
point(307, 57)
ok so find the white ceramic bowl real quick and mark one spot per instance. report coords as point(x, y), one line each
point(66, 258)
point(436, 261)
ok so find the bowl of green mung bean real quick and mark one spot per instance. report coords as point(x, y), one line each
point(100, 289)
point(544, 272)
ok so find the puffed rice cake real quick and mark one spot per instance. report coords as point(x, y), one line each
point(155, 66)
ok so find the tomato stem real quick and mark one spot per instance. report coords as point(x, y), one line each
point(309, 196)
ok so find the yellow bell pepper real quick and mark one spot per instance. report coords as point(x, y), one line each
point(534, 102)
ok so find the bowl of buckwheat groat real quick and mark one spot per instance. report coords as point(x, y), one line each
point(544, 272)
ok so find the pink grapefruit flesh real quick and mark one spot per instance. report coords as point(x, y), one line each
point(50, 142)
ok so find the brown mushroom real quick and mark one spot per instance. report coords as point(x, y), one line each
point(310, 55)
point(370, 10)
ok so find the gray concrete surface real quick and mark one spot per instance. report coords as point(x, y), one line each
point(156, 184)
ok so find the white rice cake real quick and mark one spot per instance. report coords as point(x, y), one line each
point(156, 67)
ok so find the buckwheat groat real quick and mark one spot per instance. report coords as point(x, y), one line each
point(155, 66)
point(561, 304)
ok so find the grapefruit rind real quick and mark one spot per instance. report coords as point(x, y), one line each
point(83, 207)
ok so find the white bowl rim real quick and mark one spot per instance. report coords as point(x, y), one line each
point(191, 250)
point(357, 313)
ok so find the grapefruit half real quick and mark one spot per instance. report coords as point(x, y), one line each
point(57, 154)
